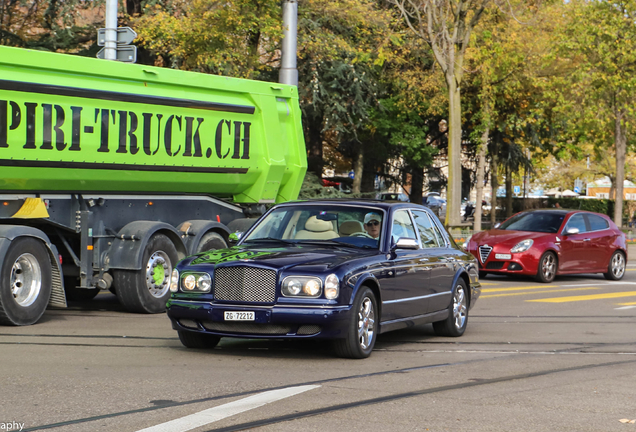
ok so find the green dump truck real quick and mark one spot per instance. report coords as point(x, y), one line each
point(111, 172)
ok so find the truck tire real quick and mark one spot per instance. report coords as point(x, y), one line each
point(25, 282)
point(211, 241)
point(147, 290)
point(241, 225)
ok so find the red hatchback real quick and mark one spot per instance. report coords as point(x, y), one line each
point(546, 243)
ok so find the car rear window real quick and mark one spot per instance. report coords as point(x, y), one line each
point(597, 223)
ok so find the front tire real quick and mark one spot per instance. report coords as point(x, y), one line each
point(616, 267)
point(548, 266)
point(147, 290)
point(25, 282)
point(455, 324)
point(362, 330)
point(198, 340)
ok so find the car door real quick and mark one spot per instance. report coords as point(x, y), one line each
point(440, 262)
point(601, 237)
point(403, 294)
point(575, 247)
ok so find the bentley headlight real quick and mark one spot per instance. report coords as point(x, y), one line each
point(189, 282)
point(332, 287)
point(302, 286)
point(174, 281)
point(522, 246)
point(201, 282)
point(204, 282)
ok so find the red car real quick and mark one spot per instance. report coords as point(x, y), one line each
point(546, 243)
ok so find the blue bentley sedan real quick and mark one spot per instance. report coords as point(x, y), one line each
point(341, 270)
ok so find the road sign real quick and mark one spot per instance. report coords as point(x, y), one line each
point(577, 189)
point(125, 35)
point(517, 190)
point(125, 53)
point(351, 174)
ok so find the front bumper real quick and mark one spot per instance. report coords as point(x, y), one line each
point(523, 263)
point(270, 322)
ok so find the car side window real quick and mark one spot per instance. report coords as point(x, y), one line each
point(402, 226)
point(426, 229)
point(577, 221)
point(597, 223)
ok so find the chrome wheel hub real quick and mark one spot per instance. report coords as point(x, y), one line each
point(26, 280)
point(548, 267)
point(459, 307)
point(158, 271)
point(366, 323)
point(618, 265)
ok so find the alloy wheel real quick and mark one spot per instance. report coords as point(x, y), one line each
point(459, 307)
point(366, 323)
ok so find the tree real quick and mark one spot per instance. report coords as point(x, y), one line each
point(600, 91)
point(447, 25)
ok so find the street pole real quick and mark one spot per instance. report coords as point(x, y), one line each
point(110, 46)
point(288, 73)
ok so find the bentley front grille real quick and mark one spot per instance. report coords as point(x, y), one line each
point(245, 284)
point(484, 252)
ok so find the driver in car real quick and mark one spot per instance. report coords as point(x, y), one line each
point(372, 223)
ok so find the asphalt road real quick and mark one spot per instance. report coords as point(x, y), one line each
point(535, 357)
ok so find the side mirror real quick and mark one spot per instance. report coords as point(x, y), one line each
point(571, 231)
point(234, 238)
point(407, 243)
point(497, 225)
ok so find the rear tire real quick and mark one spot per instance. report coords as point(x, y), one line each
point(362, 330)
point(211, 241)
point(548, 266)
point(147, 290)
point(616, 267)
point(25, 282)
point(455, 324)
point(198, 340)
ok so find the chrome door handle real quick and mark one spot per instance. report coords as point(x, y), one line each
point(586, 239)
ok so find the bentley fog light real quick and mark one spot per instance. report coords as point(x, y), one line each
point(174, 281)
point(189, 282)
point(301, 286)
point(332, 286)
point(522, 246)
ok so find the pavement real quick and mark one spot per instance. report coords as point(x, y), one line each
point(631, 251)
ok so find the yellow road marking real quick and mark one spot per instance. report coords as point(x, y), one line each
point(535, 292)
point(519, 288)
point(586, 297)
point(626, 304)
point(488, 284)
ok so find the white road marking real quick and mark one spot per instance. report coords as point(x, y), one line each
point(625, 307)
point(212, 415)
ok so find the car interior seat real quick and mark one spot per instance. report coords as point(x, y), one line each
point(317, 229)
point(350, 227)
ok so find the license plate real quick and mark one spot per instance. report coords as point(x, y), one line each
point(238, 316)
point(503, 256)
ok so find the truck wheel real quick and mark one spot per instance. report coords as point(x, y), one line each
point(25, 282)
point(211, 241)
point(241, 225)
point(147, 290)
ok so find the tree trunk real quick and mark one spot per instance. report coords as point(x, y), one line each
point(508, 191)
point(621, 148)
point(453, 189)
point(315, 162)
point(358, 168)
point(417, 182)
point(481, 168)
point(495, 185)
